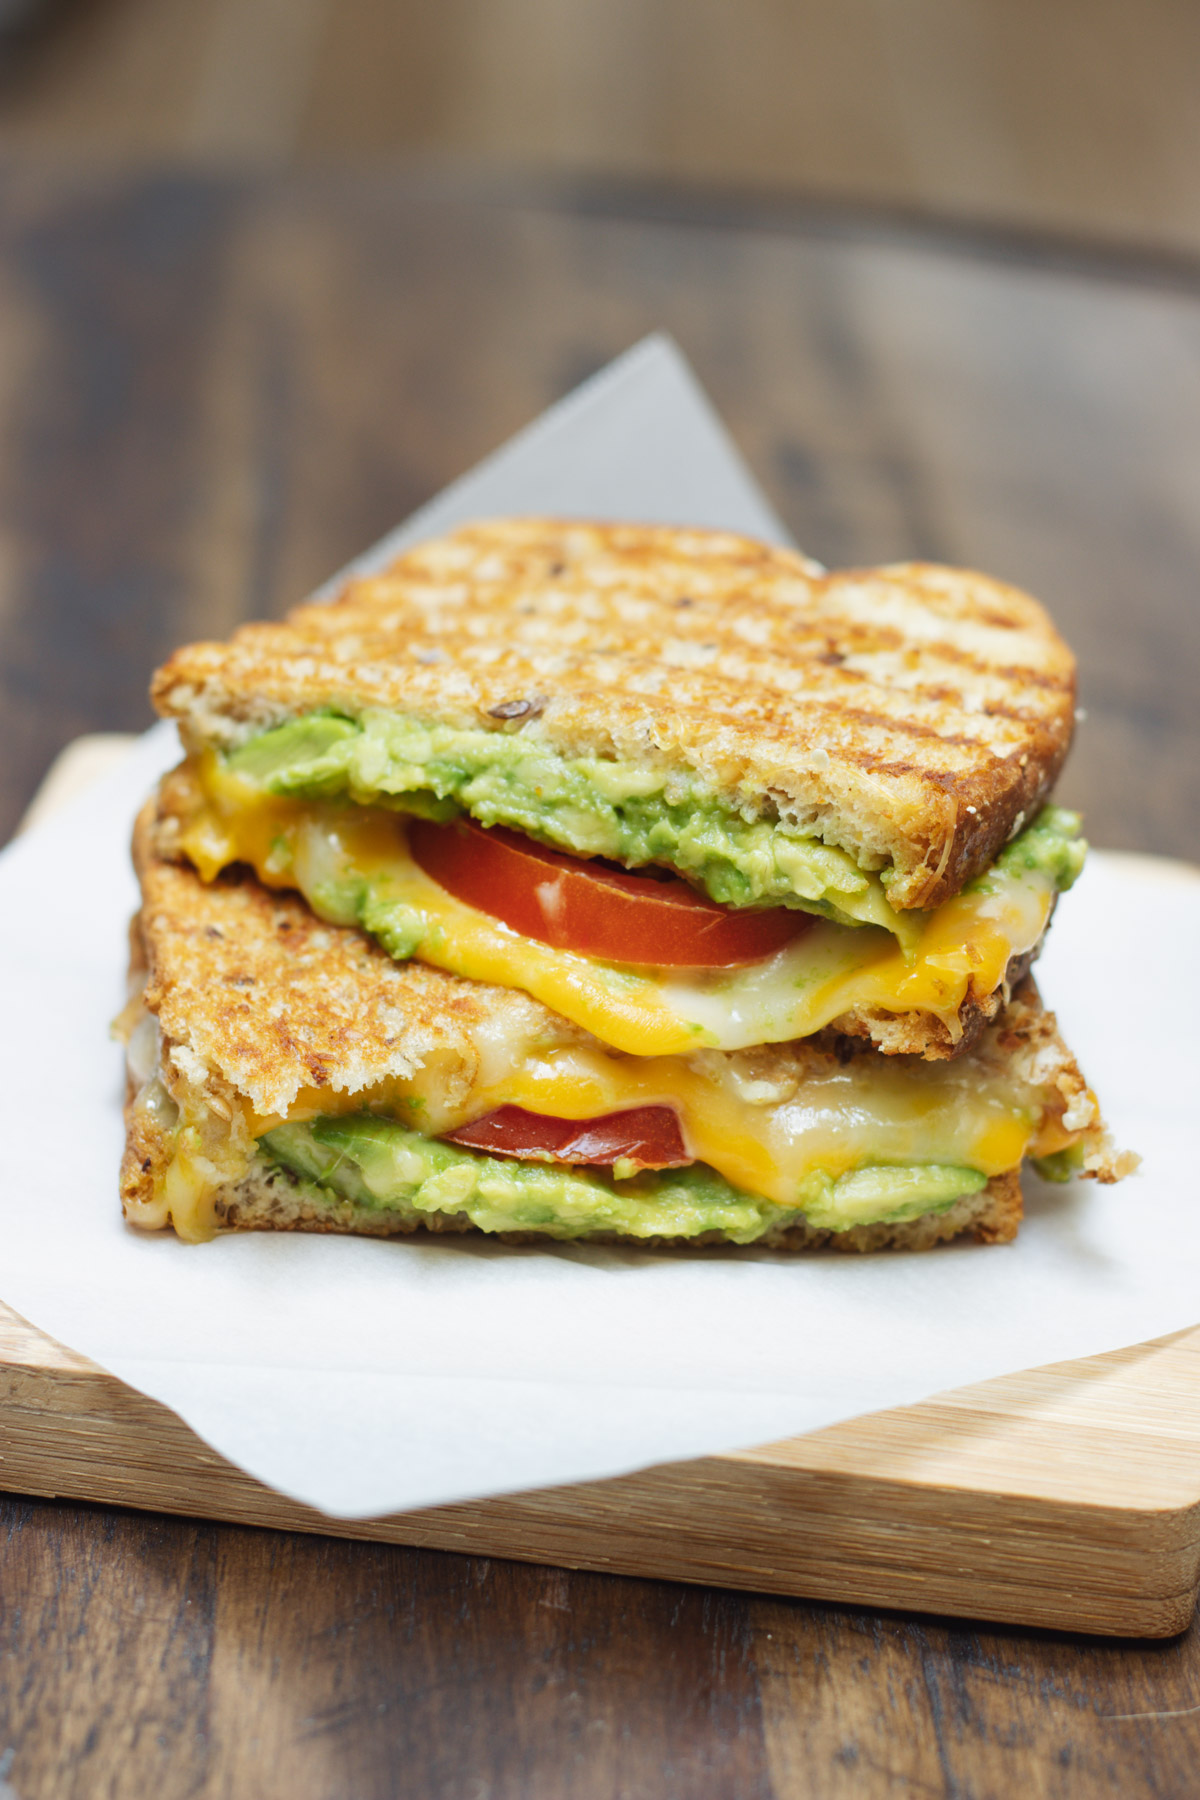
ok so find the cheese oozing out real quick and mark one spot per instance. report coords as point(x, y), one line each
point(353, 866)
point(769, 1122)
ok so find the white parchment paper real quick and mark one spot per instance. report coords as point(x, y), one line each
point(367, 1377)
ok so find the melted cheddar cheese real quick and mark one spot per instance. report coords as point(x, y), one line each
point(352, 865)
point(766, 1133)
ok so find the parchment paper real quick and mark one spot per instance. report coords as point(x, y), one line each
point(367, 1377)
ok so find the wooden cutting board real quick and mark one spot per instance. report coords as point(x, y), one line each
point(1066, 1496)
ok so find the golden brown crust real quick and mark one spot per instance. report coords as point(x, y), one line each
point(913, 714)
point(1026, 1040)
point(253, 991)
point(146, 1156)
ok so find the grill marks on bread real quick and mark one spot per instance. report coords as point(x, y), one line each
point(913, 714)
point(266, 1000)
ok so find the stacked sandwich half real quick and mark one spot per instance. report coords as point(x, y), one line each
point(604, 881)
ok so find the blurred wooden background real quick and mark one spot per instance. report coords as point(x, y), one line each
point(1077, 116)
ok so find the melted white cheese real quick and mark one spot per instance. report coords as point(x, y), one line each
point(334, 854)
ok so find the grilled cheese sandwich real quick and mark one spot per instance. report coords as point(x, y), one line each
point(330, 1031)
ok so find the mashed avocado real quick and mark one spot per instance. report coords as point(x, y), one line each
point(1051, 846)
point(585, 804)
point(597, 807)
point(380, 1164)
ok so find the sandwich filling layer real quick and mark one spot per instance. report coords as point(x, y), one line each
point(351, 861)
point(592, 806)
point(848, 1146)
point(379, 1164)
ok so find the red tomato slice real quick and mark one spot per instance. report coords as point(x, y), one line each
point(646, 1135)
point(594, 907)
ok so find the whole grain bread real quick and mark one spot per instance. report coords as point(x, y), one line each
point(915, 715)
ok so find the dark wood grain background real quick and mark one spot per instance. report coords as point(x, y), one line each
point(1074, 115)
point(212, 392)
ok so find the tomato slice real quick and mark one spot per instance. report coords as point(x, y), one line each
point(594, 907)
point(648, 1136)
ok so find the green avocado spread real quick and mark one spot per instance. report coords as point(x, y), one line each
point(380, 1165)
point(593, 806)
point(1051, 846)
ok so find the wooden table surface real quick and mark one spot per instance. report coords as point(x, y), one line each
point(212, 392)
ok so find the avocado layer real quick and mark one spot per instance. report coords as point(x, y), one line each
point(587, 805)
point(380, 1164)
point(596, 807)
point(1051, 846)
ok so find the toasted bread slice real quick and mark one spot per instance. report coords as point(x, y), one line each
point(913, 716)
point(263, 1002)
point(249, 1013)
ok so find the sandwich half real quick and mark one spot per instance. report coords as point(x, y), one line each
point(285, 1073)
point(484, 757)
